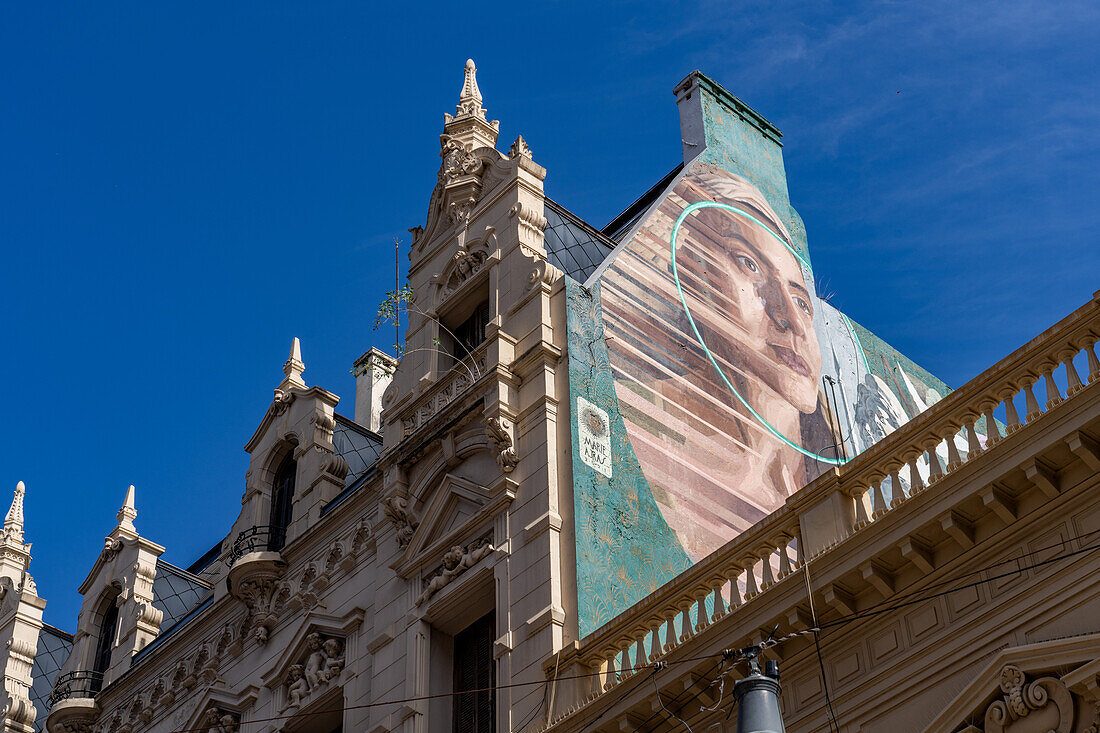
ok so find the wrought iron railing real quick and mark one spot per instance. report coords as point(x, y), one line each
point(256, 539)
point(82, 683)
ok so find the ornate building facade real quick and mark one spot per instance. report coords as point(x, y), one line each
point(608, 462)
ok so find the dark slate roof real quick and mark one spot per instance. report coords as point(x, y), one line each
point(573, 246)
point(176, 592)
point(357, 445)
point(54, 646)
point(624, 223)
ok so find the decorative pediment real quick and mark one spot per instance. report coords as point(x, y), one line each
point(313, 662)
point(219, 711)
point(1027, 690)
point(457, 514)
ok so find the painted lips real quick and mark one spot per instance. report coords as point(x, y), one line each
point(791, 359)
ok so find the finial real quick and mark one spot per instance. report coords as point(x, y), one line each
point(294, 367)
point(519, 147)
point(469, 84)
point(128, 513)
point(469, 126)
point(13, 522)
point(469, 99)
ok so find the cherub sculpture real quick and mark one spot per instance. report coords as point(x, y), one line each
point(315, 663)
point(296, 687)
point(334, 663)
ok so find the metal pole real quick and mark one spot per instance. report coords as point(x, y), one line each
point(758, 699)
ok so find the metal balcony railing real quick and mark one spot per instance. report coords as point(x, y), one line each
point(256, 539)
point(82, 683)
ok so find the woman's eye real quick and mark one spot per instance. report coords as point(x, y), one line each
point(748, 264)
point(803, 305)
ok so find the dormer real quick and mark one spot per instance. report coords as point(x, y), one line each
point(474, 262)
point(294, 469)
point(116, 621)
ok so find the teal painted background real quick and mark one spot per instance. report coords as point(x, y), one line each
point(625, 550)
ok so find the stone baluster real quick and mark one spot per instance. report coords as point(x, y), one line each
point(992, 434)
point(641, 659)
point(750, 577)
point(685, 629)
point(1094, 363)
point(784, 561)
point(916, 485)
point(896, 489)
point(1072, 377)
point(973, 446)
point(954, 460)
point(670, 631)
point(935, 468)
point(1054, 396)
point(702, 619)
point(1012, 418)
point(862, 520)
point(878, 499)
point(718, 584)
point(656, 648)
point(1032, 412)
point(610, 673)
point(735, 591)
point(626, 668)
point(767, 579)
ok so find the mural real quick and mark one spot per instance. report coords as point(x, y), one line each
point(709, 382)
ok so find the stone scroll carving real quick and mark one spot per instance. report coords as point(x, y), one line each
point(1022, 698)
point(322, 663)
point(396, 509)
point(457, 561)
point(500, 432)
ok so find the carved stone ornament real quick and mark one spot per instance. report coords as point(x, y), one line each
point(19, 709)
point(457, 561)
point(322, 664)
point(217, 720)
point(1022, 699)
point(499, 431)
point(464, 266)
point(281, 401)
point(264, 598)
point(457, 160)
point(396, 509)
point(519, 147)
point(111, 547)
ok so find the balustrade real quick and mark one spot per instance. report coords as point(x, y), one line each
point(727, 581)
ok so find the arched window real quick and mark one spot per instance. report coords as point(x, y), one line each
point(108, 630)
point(282, 501)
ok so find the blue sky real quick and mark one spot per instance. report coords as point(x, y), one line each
point(184, 189)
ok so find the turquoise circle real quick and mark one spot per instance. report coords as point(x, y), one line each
point(699, 337)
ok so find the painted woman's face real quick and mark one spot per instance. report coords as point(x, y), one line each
point(765, 313)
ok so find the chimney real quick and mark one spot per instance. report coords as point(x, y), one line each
point(373, 373)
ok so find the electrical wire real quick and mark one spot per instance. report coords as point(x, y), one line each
point(817, 645)
point(885, 607)
point(657, 668)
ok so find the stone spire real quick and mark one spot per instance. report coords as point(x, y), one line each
point(293, 368)
point(469, 100)
point(13, 522)
point(469, 125)
point(16, 556)
point(128, 512)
